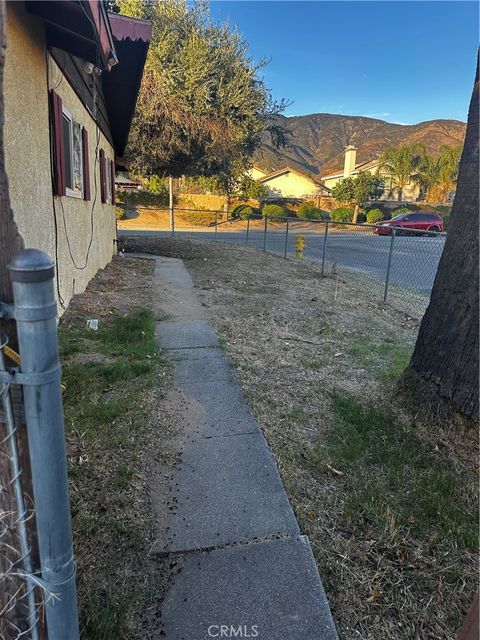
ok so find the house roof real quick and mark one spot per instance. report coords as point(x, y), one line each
point(122, 180)
point(122, 84)
point(280, 172)
point(80, 27)
point(362, 166)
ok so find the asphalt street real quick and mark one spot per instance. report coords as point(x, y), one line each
point(414, 260)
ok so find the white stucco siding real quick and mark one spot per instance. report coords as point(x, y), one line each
point(79, 222)
point(291, 185)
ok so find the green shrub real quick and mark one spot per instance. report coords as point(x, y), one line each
point(308, 211)
point(374, 215)
point(361, 217)
point(119, 213)
point(341, 214)
point(273, 211)
point(242, 212)
point(400, 210)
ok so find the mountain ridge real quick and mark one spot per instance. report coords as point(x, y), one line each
point(318, 140)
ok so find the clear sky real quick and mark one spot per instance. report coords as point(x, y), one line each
point(404, 62)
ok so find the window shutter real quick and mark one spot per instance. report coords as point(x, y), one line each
point(58, 146)
point(86, 165)
point(103, 190)
point(112, 170)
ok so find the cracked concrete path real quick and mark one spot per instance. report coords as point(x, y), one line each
point(246, 569)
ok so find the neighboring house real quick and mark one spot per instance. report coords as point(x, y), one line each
point(256, 173)
point(411, 191)
point(290, 184)
point(72, 76)
point(124, 183)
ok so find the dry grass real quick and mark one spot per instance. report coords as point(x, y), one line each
point(389, 503)
point(115, 381)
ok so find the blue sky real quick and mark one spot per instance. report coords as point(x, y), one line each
point(405, 62)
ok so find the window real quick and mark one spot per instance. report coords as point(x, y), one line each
point(70, 152)
point(73, 153)
point(107, 178)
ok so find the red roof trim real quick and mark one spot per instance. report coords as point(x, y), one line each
point(125, 28)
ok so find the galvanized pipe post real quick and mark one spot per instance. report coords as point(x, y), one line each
point(265, 233)
point(32, 274)
point(248, 229)
point(286, 240)
point(170, 205)
point(389, 264)
point(325, 237)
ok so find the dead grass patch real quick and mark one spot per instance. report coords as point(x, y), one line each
point(115, 380)
point(388, 502)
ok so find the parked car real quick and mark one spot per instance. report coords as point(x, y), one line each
point(408, 223)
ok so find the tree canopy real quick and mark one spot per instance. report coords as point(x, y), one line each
point(358, 190)
point(203, 107)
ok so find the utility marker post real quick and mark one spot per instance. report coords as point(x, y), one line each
point(170, 205)
point(325, 237)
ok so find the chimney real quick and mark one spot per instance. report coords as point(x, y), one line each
point(350, 160)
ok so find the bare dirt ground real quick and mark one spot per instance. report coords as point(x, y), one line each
point(118, 426)
point(387, 500)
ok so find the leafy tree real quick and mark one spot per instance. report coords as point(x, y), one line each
point(404, 164)
point(438, 177)
point(357, 191)
point(443, 371)
point(202, 108)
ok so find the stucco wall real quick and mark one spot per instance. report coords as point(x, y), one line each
point(28, 163)
point(410, 192)
point(290, 185)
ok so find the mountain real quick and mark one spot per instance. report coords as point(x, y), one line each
point(318, 140)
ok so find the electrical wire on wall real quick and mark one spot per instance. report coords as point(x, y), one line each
point(79, 265)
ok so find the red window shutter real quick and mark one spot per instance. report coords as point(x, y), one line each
point(86, 165)
point(58, 146)
point(103, 190)
point(112, 170)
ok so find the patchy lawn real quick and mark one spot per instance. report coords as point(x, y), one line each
point(389, 503)
point(115, 379)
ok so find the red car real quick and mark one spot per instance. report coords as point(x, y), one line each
point(410, 222)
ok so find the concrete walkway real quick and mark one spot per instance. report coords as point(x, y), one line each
point(247, 572)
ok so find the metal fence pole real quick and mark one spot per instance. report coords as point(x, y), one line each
point(170, 205)
point(324, 247)
point(286, 240)
point(216, 224)
point(265, 233)
point(32, 274)
point(389, 264)
point(248, 230)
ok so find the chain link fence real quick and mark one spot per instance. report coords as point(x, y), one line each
point(398, 268)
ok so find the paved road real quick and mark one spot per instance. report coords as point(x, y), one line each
point(414, 259)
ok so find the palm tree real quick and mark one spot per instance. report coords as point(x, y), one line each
point(403, 165)
point(438, 177)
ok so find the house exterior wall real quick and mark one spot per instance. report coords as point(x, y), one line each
point(256, 173)
point(291, 185)
point(28, 161)
point(411, 191)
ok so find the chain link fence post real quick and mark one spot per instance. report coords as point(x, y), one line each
point(170, 205)
point(265, 233)
point(216, 224)
point(286, 240)
point(32, 274)
point(389, 264)
point(324, 247)
point(248, 229)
